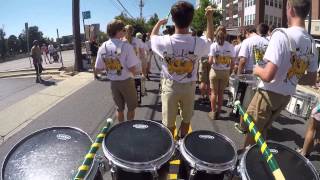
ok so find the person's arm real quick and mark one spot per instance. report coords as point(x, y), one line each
point(156, 28)
point(209, 15)
point(267, 73)
point(242, 63)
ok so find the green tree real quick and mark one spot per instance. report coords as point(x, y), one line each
point(152, 21)
point(199, 22)
point(3, 48)
point(13, 44)
point(22, 42)
point(138, 24)
point(34, 34)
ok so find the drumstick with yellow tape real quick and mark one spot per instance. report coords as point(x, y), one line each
point(86, 164)
point(268, 156)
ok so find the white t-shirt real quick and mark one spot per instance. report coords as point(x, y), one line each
point(253, 49)
point(290, 70)
point(116, 57)
point(224, 55)
point(237, 50)
point(181, 54)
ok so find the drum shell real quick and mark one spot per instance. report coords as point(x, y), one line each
point(29, 172)
point(305, 101)
point(139, 167)
point(233, 86)
point(209, 168)
point(242, 168)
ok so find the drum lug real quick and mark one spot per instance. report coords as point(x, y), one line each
point(104, 165)
point(192, 174)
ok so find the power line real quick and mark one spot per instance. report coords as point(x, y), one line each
point(116, 5)
point(124, 8)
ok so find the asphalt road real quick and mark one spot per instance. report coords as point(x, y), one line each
point(90, 106)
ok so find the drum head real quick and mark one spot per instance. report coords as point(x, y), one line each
point(209, 147)
point(292, 164)
point(53, 153)
point(138, 141)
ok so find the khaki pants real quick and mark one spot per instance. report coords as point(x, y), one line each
point(217, 76)
point(265, 107)
point(174, 94)
point(124, 92)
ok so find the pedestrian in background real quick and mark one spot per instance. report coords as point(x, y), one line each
point(44, 51)
point(94, 50)
point(37, 60)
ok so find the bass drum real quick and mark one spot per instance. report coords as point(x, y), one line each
point(138, 150)
point(54, 153)
point(292, 164)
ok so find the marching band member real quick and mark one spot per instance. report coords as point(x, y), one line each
point(119, 59)
point(221, 58)
point(291, 52)
point(180, 53)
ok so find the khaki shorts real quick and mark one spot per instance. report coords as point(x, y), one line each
point(174, 94)
point(124, 92)
point(219, 76)
point(265, 107)
point(204, 69)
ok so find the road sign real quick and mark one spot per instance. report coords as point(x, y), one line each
point(86, 15)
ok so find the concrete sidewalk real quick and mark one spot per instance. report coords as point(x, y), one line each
point(18, 115)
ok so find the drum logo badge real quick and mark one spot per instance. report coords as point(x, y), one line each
point(140, 126)
point(63, 137)
point(202, 136)
point(274, 151)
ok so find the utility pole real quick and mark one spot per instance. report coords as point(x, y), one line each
point(27, 38)
point(76, 35)
point(141, 5)
point(309, 19)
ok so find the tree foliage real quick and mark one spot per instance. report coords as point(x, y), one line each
point(199, 22)
point(3, 48)
point(13, 44)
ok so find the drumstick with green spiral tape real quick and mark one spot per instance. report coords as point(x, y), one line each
point(86, 164)
point(267, 155)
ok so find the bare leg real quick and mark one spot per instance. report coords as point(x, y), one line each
point(213, 99)
point(120, 116)
point(130, 115)
point(203, 89)
point(220, 96)
point(248, 140)
point(309, 137)
point(171, 129)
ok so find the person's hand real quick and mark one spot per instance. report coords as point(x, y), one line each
point(209, 11)
point(162, 22)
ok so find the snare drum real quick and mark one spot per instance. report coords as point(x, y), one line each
point(208, 154)
point(140, 86)
point(251, 82)
point(292, 164)
point(233, 88)
point(54, 153)
point(301, 104)
point(138, 149)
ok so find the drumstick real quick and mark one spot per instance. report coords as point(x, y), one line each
point(267, 155)
point(167, 18)
point(86, 164)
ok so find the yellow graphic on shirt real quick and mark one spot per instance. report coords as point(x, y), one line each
point(298, 67)
point(112, 64)
point(180, 66)
point(258, 54)
point(224, 60)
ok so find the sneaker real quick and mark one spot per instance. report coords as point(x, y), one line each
point(239, 128)
point(298, 150)
point(212, 115)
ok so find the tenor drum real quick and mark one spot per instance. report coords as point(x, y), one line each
point(208, 154)
point(292, 164)
point(301, 104)
point(138, 150)
point(54, 153)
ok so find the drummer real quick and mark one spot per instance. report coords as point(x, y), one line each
point(221, 58)
point(180, 53)
point(285, 67)
point(313, 126)
point(254, 44)
point(119, 60)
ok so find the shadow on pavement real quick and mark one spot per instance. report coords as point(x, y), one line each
point(285, 134)
point(48, 83)
point(285, 120)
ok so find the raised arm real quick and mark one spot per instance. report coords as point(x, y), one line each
point(156, 28)
point(209, 14)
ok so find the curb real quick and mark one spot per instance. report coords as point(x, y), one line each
point(28, 74)
point(29, 69)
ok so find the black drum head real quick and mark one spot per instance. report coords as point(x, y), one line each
point(292, 164)
point(209, 147)
point(138, 141)
point(53, 153)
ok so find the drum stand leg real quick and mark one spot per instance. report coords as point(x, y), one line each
point(192, 174)
point(113, 172)
point(155, 175)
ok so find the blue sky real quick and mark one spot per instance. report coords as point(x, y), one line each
point(49, 15)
